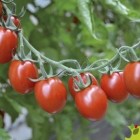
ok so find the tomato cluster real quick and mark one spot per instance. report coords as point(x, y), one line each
point(91, 98)
point(91, 101)
point(50, 93)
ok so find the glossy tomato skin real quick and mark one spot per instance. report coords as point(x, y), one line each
point(114, 86)
point(83, 75)
point(8, 44)
point(132, 78)
point(15, 20)
point(20, 73)
point(51, 95)
point(91, 102)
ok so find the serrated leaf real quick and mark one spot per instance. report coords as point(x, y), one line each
point(86, 11)
point(4, 135)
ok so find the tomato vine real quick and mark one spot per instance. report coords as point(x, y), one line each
point(85, 90)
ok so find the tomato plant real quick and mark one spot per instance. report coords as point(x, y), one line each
point(8, 44)
point(80, 38)
point(51, 94)
point(114, 86)
point(91, 102)
point(84, 78)
point(20, 73)
point(132, 78)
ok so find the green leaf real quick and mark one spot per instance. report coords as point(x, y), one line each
point(136, 131)
point(4, 135)
point(10, 106)
point(38, 120)
point(1, 121)
point(118, 6)
point(86, 12)
point(114, 117)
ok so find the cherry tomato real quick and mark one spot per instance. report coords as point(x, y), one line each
point(15, 20)
point(51, 94)
point(91, 102)
point(84, 78)
point(8, 44)
point(132, 78)
point(114, 86)
point(20, 73)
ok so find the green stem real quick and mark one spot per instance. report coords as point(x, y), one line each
point(136, 45)
point(60, 65)
point(21, 45)
point(71, 61)
point(7, 2)
point(7, 9)
point(78, 70)
point(52, 62)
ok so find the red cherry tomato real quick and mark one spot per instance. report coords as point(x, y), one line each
point(84, 78)
point(8, 44)
point(132, 78)
point(114, 86)
point(51, 94)
point(91, 102)
point(15, 20)
point(20, 73)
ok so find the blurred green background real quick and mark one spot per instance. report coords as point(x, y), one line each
point(86, 30)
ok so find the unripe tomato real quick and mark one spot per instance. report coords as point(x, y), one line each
point(114, 86)
point(91, 102)
point(8, 44)
point(51, 94)
point(20, 73)
point(84, 78)
point(132, 78)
